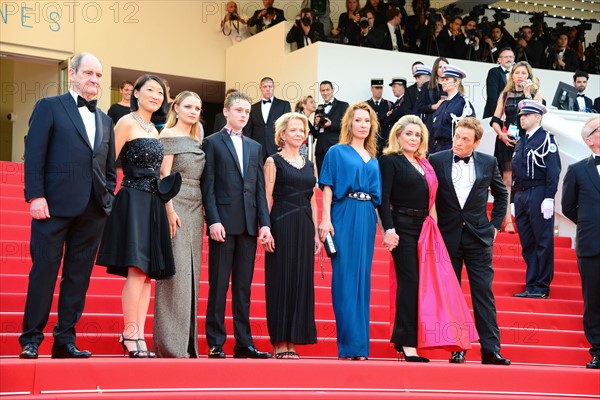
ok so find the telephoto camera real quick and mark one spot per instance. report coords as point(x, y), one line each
point(233, 17)
point(363, 23)
point(320, 112)
point(305, 19)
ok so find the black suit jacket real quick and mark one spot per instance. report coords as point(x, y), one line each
point(331, 135)
point(597, 104)
point(296, 34)
point(60, 164)
point(569, 57)
point(494, 84)
point(411, 99)
point(386, 41)
point(238, 202)
point(451, 217)
point(580, 203)
point(264, 132)
point(258, 22)
point(588, 103)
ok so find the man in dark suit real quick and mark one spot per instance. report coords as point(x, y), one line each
point(70, 178)
point(529, 48)
point(306, 31)
point(393, 38)
point(464, 177)
point(422, 74)
point(560, 57)
point(580, 200)
point(394, 114)
point(496, 80)
point(453, 41)
point(369, 35)
point(597, 104)
point(328, 121)
point(233, 194)
point(535, 172)
point(263, 115)
point(582, 102)
point(267, 17)
point(381, 108)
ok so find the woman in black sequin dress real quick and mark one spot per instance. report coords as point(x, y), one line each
point(136, 243)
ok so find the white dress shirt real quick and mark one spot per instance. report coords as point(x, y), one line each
point(581, 102)
point(463, 177)
point(265, 108)
point(239, 149)
point(89, 119)
point(392, 29)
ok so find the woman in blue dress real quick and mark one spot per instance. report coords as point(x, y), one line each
point(351, 185)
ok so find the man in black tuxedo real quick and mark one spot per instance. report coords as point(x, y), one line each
point(267, 17)
point(328, 121)
point(529, 48)
point(233, 194)
point(453, 41)
point(70, 178)
point(261, 126)
point(381, 108)
point(464, 177)
point(394, 114)
point(306, 31)
point(580, 200)
point(369, 35)
point(582, 102)
point(496, 80)
point(560, 57)
point(393, 38)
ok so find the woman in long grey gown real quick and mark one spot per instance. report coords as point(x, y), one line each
point(176, 299)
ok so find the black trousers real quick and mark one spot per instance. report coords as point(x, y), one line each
point(536, 235)
point(589, 269)
point(477, 258)
point(232, 258)
point(78, 237)
point(406, 265)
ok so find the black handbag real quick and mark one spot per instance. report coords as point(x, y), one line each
point(329, 245)
point(169, 186)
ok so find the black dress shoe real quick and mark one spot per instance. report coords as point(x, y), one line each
point(594, 364)
point(216, 352)
point(523, 294)
point(458, 357)
point(69, 350)
point(538, 295)
point(250, 352)
point(29, 351)
point(494, 358)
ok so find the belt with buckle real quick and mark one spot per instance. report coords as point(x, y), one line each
point(361, 196)
point(410, 211)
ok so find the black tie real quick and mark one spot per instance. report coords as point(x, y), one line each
point(266, 101)
point(376, 104)
point(597, 160)
point(91, 105)
point(581, 95)
point(327, 104)
point(458, 158)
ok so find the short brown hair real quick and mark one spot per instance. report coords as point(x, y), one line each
point(471, 123)
point(234, 97)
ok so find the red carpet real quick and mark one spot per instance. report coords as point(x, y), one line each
point(543, 338)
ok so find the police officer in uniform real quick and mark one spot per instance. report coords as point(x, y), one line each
point(395, 112)
point(453, 109)
point(381, 108)
point(536, 169)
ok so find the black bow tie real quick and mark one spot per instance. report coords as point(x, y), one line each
point(458, 158)
point(327, 104)
point(505, 71)
point(581, 95)
point(597, 160)
point(91, 105)
point(266, 101)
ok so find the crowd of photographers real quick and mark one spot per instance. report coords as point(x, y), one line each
point(445, 33)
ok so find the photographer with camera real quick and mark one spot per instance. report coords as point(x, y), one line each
point(328, 122)
point(473, 37)
point(528, 47)
point(454, 42)
point(369, 35)
point(348, 24)
point(233, 25)
point(431, 34)
point(498, 40)
point(267, 17)
point(306, 31)
point(559, 57)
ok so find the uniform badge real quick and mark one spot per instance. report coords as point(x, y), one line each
point(552, 148)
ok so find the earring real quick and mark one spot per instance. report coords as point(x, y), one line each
point(176, 116)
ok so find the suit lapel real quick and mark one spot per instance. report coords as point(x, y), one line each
point(246, 154)
point(502, 74)
point(592, 171)
point(73, 113)
point(229, 144)
point(271, 112)
point(99, 131)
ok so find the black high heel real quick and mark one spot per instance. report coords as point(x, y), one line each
point(138, 353)
point(148, 352)
point(400, 351)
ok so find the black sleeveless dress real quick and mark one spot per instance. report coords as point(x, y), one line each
point(502, 152)
point(137, 231)
point(289, 271)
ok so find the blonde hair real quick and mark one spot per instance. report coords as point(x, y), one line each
point(394, 147)
point(301, 103)
point(510, 83)
point(346, 128)
point(172, 115)
point(282, 123)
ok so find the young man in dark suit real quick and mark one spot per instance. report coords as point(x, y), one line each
point(464, 177)
point(394, 113)
point(328, 122)
point(496, 80)
point(263, 114)
point(267, 17)
point(381, 107)
point(582, 102)
point(70, 178)
point(233, 194)
point(580, 203)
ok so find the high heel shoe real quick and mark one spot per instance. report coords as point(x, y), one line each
point(401, 352)
point(148, 352)
point(137, 353)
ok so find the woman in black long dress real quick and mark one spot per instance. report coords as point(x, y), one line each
point(289, 264)
point(521, 84)
point(136, 243)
